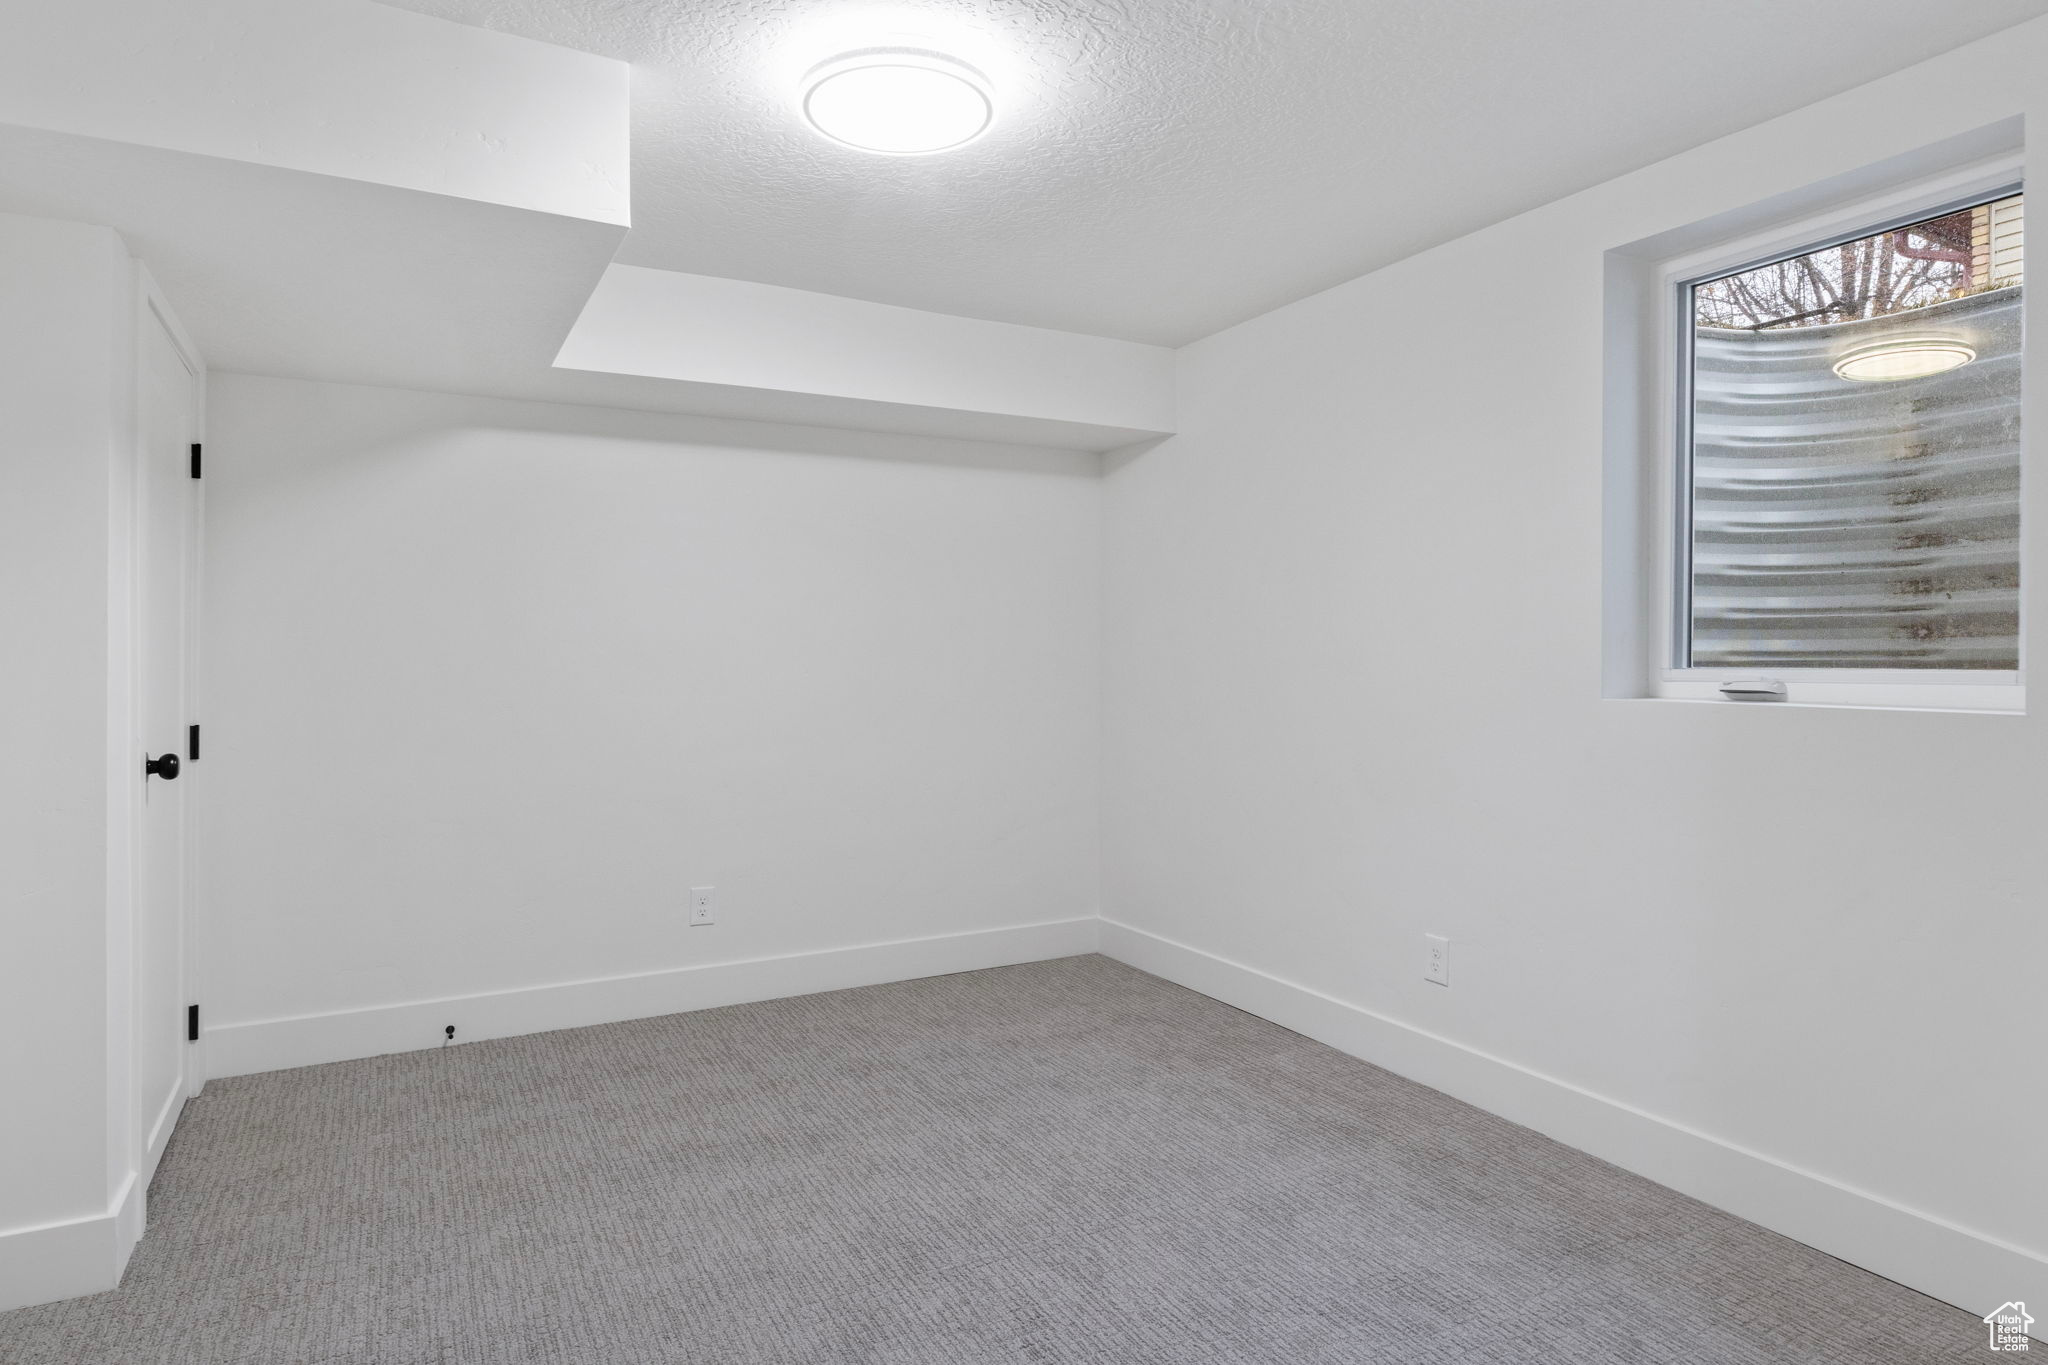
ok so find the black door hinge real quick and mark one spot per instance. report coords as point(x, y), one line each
point(192, 742)
point(191, 1023)
point(195, 459)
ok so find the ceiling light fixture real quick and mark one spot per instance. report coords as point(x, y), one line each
point(1904, 358)
point(898, 101)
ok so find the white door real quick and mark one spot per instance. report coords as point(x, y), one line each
point(166, 423)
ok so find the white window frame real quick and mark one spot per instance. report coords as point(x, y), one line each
point(1671, 538)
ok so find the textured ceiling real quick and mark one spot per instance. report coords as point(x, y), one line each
point(1163, 168)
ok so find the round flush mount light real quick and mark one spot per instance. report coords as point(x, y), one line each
point(898, 101)
point(1904, 358)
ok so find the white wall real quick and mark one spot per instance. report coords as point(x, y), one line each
point(1353, 625)
point(69, 774)
point(490, 684)
point(335, 87)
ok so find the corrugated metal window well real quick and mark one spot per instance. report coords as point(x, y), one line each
point(1854, 422)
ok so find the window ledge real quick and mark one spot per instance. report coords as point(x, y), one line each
point(1978, 699)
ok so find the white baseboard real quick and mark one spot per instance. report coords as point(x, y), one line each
point(303, 1040)
point(159, 1134)
point(76, 1256)
point(1969, 1269)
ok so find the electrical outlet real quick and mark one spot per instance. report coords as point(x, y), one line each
point(703, 905)
point(1436, 965)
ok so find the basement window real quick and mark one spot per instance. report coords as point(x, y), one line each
point(1847, 518)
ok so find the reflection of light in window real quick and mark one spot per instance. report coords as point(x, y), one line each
point(1904, 358)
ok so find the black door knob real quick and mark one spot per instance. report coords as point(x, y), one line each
point(165, 767)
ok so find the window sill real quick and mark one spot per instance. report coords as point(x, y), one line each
point(1980, 699)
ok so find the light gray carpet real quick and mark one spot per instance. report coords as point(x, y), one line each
point(1064, 1162)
